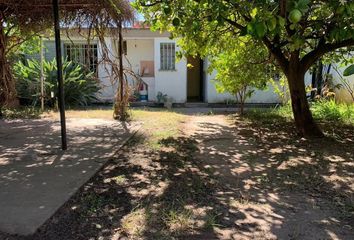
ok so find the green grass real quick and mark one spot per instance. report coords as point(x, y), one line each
point(328, 111)
point(158, 125)
point(332, 111)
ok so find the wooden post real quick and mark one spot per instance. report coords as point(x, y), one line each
point(42, 74)
point(60, 74)
point(121, 73)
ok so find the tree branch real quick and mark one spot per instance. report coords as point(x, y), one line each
point(278, 54)
point(309, 59)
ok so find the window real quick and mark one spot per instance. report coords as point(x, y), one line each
point(125, 47)
point(85, 54)
point(168, 56)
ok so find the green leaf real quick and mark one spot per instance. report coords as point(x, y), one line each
point(254, 12)
point(349, 71)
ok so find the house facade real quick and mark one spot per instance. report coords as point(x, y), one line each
point(152, 57)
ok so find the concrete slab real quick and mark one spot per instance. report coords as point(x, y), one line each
point(37, 178)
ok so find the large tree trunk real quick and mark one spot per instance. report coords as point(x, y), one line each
point(7, 83)
point(304, 121)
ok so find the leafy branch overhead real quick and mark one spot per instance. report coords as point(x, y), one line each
point(296, 33)
point(284, 26)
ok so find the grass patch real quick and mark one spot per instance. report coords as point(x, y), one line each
point(94, 203)
point(158, 125)
point(178, 220)
point(102, 113)
point(327, 111)
point(332, 111)
point(135, 222)
point(119, 180)
point(21, 113)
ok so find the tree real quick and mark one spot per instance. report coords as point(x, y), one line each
point(297, 33)
point(20, 19)
point(240, 70)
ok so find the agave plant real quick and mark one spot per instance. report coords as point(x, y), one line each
point(81, 85)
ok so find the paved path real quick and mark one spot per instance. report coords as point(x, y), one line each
point(37, 178)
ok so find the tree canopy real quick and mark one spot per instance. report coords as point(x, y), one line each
point(296, 33)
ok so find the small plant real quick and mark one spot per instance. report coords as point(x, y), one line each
point(281, 88)
point(161, 98)
point(178, 220)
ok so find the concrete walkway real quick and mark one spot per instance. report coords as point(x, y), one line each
point(37, 178)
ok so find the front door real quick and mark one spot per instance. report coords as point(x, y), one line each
point(195, 79)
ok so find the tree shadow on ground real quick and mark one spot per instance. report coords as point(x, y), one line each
point(247, 180)
point(286, 187)
point(251, 181)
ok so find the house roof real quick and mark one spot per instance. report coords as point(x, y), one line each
point(128, 33)
point(28, 13)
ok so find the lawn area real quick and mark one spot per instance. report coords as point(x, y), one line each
point(157, 123)
point(216, 176)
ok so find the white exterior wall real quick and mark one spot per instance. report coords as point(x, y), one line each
point(342, 94)
point(137, 50)
point(108, 85)
point(259, 96)
point(141, 50)
point(172, 83)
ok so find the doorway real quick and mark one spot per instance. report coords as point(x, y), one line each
point(195, 77)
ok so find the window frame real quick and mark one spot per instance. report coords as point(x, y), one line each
point(167, 56)
point(79, 49)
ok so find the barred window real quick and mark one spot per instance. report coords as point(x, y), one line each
point(167, 56)
point(85, 54)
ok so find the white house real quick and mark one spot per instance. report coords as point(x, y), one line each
point(152, 56)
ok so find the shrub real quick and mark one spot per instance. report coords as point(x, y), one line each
point(332, 111)
point(325, 110)
point(80, 85)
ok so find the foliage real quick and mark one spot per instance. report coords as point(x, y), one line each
point(205, 24)
point(281, 88)
point(348, 71)
point(239, 71)
point(161, 98)
point(332, 111)
point(27, 46)
point(324, 110)
point(20, 20)
point(297, 33)
point(80, 85)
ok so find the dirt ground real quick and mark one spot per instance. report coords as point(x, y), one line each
point(217, 177)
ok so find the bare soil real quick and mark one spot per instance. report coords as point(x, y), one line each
point(220, 177)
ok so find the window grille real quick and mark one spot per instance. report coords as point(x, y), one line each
point(168, 56)
point(85, 54)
